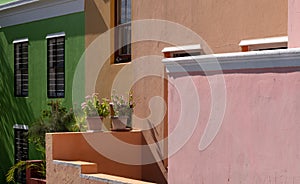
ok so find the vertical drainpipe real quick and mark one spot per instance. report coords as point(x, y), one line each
point(294, 23)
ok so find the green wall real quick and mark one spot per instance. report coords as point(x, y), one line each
point(25, 110)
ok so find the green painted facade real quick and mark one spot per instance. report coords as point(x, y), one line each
point(6, 1)
point(25, 110)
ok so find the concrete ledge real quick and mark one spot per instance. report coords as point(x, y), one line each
point(235, 61)
point(105, 178)
point(86, 167)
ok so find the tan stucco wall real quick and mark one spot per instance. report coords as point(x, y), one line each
point(98, 21)
point(222, 24)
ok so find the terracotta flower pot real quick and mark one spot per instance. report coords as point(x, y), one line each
point(94, 124)
point(119, 123)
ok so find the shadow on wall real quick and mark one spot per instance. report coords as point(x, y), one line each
point(12, 110)
point(94, 20)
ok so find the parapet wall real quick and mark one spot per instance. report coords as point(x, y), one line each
point(236, 117)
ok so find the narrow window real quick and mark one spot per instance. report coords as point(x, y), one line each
point(56, 67)
point(123, 31)
point(21, 68)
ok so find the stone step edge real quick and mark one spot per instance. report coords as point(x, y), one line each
point(111, 179)
point(85, 167)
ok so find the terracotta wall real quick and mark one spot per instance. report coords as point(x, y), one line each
point(115, 153)
point(294, 23)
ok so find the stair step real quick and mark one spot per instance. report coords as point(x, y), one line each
point(86, 167)
point(105, 178)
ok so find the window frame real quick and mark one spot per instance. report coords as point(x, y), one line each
point(118, 57)
point(22, 93)
point(260, 44)
point(49, 38)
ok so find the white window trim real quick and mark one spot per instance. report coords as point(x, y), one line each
point(190, 49)
point(55, 35)
point(20, 40)
point(187, 48)
point(264, 43)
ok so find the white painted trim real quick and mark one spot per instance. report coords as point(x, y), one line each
point(186, 48)
point(235, 61)
point(265, 43)
point(20, 40)
point(18, 126)
point(16, 4)
point(39, 10)
point(54, 35)
point(282, 39)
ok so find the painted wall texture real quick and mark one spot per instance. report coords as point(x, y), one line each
point(102, 76)
point(294, 23)
point(97, 148)
point(26, 110)
point(222, 24)
point(258, 138)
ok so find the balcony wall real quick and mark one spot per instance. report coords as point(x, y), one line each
point(114, 153)
point(236, 125)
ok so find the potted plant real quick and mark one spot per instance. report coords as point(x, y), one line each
point(95, 111)
point(121, 111)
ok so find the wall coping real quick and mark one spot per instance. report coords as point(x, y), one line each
point(281, 58)
point(259, 41)
point(24, 11)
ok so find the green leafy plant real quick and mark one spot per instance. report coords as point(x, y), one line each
point(93, 107)
point(56, 118)
point(15, 169)
point(40, 167)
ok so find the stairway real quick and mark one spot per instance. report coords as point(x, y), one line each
point(83, 172)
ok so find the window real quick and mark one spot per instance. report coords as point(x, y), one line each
point(264, 44)
point(21, 67)
point(183, 51)
point(56, 65)
point(123, 31)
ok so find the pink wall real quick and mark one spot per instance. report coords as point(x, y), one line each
point(258, 141)
point(294, 23)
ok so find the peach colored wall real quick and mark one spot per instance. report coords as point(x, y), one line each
point(222, 24)
point(98, 19)
point(75, 146)
point(84, 146)
point(258, 141)
point(294, 23)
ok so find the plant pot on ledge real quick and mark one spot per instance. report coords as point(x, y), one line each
point(94, 124)
point(119, 123)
